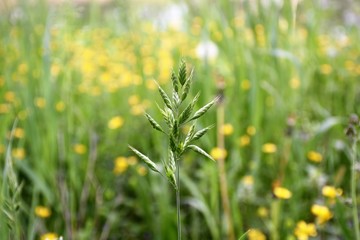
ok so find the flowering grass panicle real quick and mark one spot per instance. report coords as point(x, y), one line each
point(176, 117)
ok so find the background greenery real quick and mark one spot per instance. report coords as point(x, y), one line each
point(75, 79)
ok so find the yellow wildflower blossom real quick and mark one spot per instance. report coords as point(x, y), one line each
point(49, 236)
point(294, 83)
point(132, 160)
point(282, 193)
point(115, 122)
point(325, 69)
point(244, 140)
point(2, 148)
point(305, 230)
point(227, 129)
point(10, 96)
point(134, 100)
point(19, 133)
point(322, 213)
point(314, 156)
point(141, 170)
point(60, 106)
point(120, 165)
point(269, 148)
point(256, 234)
point(218, 153)
point(40, 102)
point(248, 180)
point(18, 153)
point(43, 212)
point(245, 85)
point(262, 212)
point(331, 192)
point(80, 149)
point(4, 108)
point(251, 130)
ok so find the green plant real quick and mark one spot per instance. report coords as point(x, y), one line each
point(352, 133)
point(175, 118)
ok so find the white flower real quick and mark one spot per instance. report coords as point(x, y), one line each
point(207, 50)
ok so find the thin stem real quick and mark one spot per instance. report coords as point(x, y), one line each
point(353, 193)
point(178, 197)
point(222, 175)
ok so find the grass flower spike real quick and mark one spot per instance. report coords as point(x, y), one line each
point(175, 117)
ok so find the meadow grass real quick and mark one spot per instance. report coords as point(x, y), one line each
point(79, 80)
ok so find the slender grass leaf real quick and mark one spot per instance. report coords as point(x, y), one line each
point(204, 109)
point(244, 235)
point(153, 123)
point(202, 152)
point(147, 160)
point(182, 73)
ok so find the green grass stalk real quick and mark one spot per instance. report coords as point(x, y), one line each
point(178, 199)
point(353, 192)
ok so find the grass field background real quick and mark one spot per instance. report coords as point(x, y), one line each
point(76, 78)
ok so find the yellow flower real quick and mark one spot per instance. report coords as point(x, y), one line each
point(49, 236)
point(42, 211)
point(282, 193)
point(40, 102)
point(80, 148)
point(137, 110)
point(23, 68)
point(10, 96)
point(4, 108)
point(218, 153)
point(227, 129)
point(132, 160)
point(134, 100)
point(248, 180)
point(2, 148)
point(55, 69)
point(19, 133)
point(120, 165)
point(60, 106)
point(314, 156)
point(244, 140)
point(18, 153)
point(305, 230)
point(256, 234)
point(251, 130)
point(325, 69)
point(245, 84)
point(295, 83)
point(269, 148)
point(331, 192)
point(262, 212)
point(322, 213)
point(115, 122)
point(142, 171)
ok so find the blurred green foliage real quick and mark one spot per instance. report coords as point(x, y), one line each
point(78, 78)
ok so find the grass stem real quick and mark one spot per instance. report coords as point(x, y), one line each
point(353, 192)
point(178, 198)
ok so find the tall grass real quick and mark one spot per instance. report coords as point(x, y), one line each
point(79, 78)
